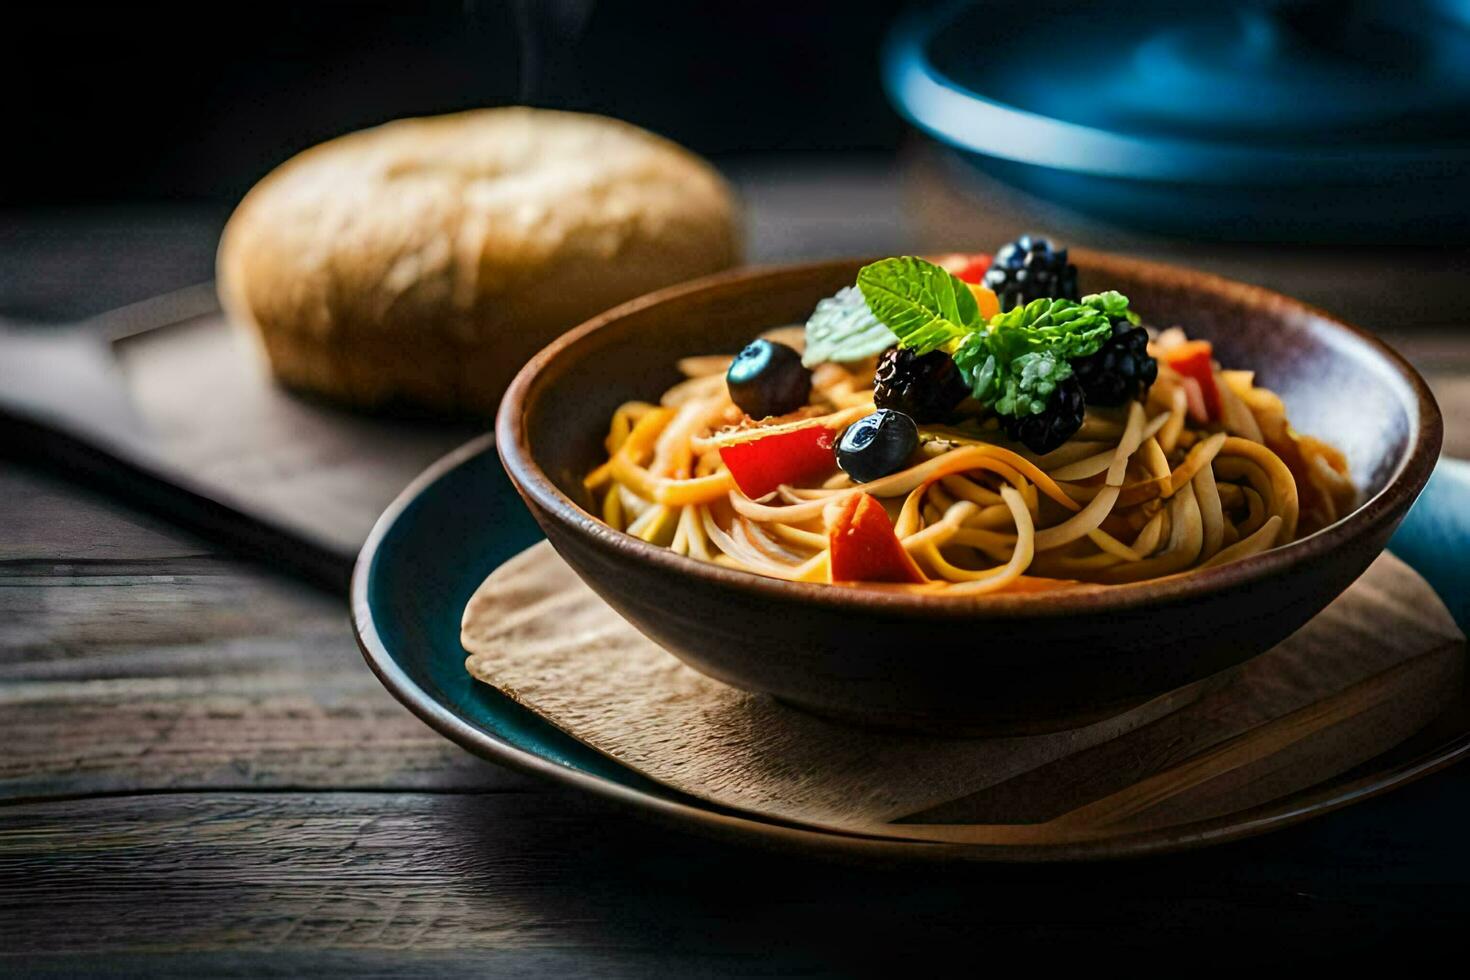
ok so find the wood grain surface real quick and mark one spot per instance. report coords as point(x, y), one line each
point(198, 775)
point(142, 662)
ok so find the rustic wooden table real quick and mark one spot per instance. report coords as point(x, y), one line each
point(198, 775)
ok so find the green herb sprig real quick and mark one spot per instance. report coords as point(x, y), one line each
point(1014, 362)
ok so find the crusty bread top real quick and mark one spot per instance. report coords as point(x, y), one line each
point(467, 226)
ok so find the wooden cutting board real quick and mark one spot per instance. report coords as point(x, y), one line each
point(167, 404)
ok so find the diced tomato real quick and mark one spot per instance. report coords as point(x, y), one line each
point(863, 547)
point(1195, 359)
point(761, 465)
point(975, 269)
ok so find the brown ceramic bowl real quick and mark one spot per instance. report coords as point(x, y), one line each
point(1007, 663)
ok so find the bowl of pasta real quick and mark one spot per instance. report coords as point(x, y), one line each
point(968, 493)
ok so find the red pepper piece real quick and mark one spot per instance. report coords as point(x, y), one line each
point(863, 547)
point(1195, 359)
point(974, 271)
point(761, 465)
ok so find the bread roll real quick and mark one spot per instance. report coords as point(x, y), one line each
point(421, 263)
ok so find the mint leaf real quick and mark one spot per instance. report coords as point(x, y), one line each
point(920, 302)
point(1067, 328)
point(843, 329)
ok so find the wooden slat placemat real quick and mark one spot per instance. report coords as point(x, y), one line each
point(1375, 666)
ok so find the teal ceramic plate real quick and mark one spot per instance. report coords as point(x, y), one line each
point(462, 518)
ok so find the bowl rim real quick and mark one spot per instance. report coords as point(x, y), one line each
point(1409, 475)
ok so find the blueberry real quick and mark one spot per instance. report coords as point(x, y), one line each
point(877, 445)
point(767, 378)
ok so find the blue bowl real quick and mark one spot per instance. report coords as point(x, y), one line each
point(1205, 122)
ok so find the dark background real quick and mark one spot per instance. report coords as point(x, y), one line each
point(130, 131)
point(115, 103)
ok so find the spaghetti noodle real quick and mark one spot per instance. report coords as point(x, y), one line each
point(1157, 486)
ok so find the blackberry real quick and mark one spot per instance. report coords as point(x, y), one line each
point(1029, 268)
point(926, 388)
point(1045, 431)
point(1120, 370)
